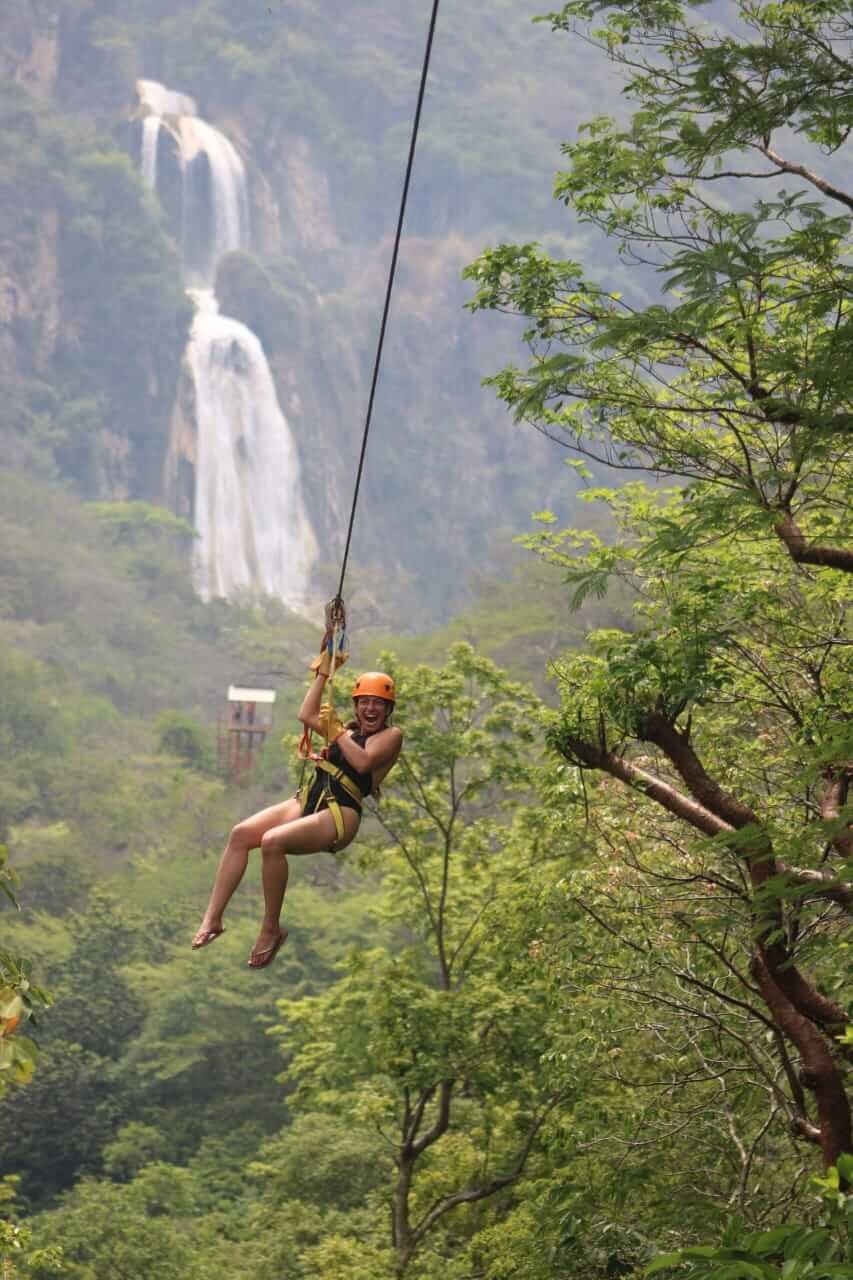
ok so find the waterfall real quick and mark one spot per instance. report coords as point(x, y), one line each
point(224, 194)
point(150, 142)
point(215, 215)
point(254, 533)
point(249, 513)
point(162, 101)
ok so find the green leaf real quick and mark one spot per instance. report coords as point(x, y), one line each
point(663, 1262)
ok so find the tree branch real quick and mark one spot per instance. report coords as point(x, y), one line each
point(716, 812)
point(760, 862)
point(596, 756)
point(413, 866)
point(804, 552)
point(820, 1072)
point(469, 1195)
point(832, 802)
point(414, 1118)
point(442, 1120)
point(824, 885)
point(788, 166)
point(730, 811)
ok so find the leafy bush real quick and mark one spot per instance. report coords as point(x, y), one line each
point(185, 737)
point(791, 1251)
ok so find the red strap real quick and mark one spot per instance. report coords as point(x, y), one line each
point(306, 747)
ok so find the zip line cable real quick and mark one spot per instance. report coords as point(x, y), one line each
point(336, 616)
point(391, 274)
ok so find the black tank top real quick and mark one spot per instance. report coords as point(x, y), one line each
point(363, 780)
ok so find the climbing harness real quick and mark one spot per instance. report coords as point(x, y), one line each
point(327, 799)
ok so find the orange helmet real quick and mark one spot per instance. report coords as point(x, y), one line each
point(375, 684)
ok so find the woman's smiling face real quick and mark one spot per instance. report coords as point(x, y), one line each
point(371, 713)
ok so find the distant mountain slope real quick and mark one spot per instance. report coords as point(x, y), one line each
point(318, 99)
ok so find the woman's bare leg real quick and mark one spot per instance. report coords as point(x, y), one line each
point(247, 835)
point(312, 834)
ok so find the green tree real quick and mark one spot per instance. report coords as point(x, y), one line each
point(17, 1255)
point(103, 1230)
point(187, 738)
point(80, 1092)
point(737, 380)
point(20, 999)
point(95, 1004)
point(151, 544)
point(824, 1248)
point(727, 708)
point(725, 712)
point(73, 1108)
point(33, 739)
point(439, 1043)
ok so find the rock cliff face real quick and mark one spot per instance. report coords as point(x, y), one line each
point(29, 52)
point(84, 316)
point(30, 299)
point(29, 262)
point(306, 219)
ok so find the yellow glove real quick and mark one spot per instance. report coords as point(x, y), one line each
point(331, 726)
point(323, 663)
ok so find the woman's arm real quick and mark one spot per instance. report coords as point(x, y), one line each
point(380, 750)
point(309, 712)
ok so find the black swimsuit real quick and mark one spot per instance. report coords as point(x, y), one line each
point(324, 782)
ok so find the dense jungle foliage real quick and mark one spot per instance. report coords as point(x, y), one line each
point(577, 1002)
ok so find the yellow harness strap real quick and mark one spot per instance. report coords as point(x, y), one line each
point(331, 803)
point(344, 779)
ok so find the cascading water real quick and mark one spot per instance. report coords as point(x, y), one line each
point(161, 102)
point(253, 531)
point(249, 513)
point(214, 184)
point(150, 143)
point(164, 102)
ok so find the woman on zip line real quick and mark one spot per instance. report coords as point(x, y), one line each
point(325, 814)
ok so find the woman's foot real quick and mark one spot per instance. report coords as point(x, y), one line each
point(265, 949)
point(209, 932)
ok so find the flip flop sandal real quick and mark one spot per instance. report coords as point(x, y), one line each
point(263, 958)
point(209, 935)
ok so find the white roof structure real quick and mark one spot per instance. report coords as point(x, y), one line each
point(237, 693)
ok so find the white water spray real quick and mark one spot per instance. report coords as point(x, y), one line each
point(254, 533)
point(249, 513)
point(164, 102)
point(225, 194)
point(215, 192)
point(150, 143)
